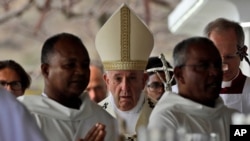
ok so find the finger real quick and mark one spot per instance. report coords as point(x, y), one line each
point(91, 132)
point(100, 128)
point(101, 135)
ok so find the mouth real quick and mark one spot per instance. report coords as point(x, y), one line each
point(78, 82)
point(125, 97)
point(214, 85)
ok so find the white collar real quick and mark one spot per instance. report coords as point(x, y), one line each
point(225, 84)
point(136, 109)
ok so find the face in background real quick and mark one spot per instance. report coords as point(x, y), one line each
point(155, 87)
point(126, 87)
point(11, 77)
point(96, 88)
point(199, 79)
point(226, 43)
point(67, 72)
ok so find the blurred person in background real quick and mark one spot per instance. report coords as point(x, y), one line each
point(16, 122)
point(228, 36)
point(97, 88)
point(155, 86)
point(13, 77)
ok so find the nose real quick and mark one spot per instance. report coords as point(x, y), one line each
point(214, 69)
point(81, 69)
point(224, 67)
point(124, 84)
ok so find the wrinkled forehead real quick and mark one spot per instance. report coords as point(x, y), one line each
point(125, 72)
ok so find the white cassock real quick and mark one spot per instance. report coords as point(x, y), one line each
point(236, 93)
point(60, 123)
point(173, 112)
point(16, 123)
point(134, 118)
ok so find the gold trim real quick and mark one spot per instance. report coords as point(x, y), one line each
point(125, 34)
point(125, 65)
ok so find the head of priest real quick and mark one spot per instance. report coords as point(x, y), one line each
point(124, 44)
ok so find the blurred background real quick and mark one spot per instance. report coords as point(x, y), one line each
point(26, 24)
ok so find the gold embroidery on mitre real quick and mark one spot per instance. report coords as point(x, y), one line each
point(125, 34)
point(125, 65)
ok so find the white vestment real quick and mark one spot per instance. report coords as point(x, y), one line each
point(134, 118)
point(16, 123)
point(235, 93)
point(173, 112)
point(60, 123)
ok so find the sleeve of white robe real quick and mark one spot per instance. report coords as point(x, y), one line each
point(16, 123)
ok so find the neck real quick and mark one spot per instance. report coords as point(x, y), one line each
point(70, 102)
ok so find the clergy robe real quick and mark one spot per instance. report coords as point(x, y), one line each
point(60, 123)
point(173, 112)
point(137, 117)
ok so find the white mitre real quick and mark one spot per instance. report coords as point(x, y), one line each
point(124, 42)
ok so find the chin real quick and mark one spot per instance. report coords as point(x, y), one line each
point(126, 107)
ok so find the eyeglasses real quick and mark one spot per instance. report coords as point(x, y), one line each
point(205, 66)
point(156, 86)
point(14, 85)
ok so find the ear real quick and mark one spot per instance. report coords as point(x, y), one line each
point(178, 73)
point(45, 70)
point(106, 79)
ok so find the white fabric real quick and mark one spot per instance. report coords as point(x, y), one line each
point(130, 117)
point(144, 107)
point(60, 123)
point(241, 102)
point(225, 84)
point(173, 111)
point(175, 89)
point(16, 123)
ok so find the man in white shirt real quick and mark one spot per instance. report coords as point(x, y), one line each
point(197, 108)
point(63, 112)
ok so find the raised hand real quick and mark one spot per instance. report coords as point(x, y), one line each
point(96, 133)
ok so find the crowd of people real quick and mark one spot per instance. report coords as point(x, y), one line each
point(111, 99)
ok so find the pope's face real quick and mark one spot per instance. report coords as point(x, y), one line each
point(126, 87)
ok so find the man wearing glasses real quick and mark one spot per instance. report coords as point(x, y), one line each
point(197, 108)
point(156, 78)
point(13, 77)
point(228, 36)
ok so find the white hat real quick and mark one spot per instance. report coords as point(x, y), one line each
point(124, 42)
